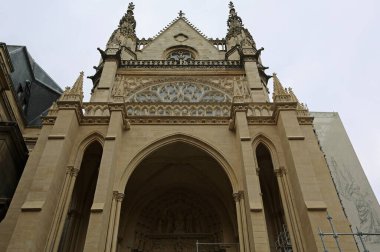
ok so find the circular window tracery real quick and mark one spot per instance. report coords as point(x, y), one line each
point(180, 54)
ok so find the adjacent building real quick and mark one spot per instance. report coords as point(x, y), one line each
point(27, 92)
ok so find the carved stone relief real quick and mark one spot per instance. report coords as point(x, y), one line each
point(179, 92)
point(241, 90)
point(174, 222)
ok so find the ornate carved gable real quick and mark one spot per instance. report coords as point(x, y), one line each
point(180, 33)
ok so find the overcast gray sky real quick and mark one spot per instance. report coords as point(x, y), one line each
point(328, 51)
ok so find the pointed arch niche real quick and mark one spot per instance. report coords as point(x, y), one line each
point(80, 184)
point(270, 184)
point(177, 194)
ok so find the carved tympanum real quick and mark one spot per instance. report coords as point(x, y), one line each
point(174, 222)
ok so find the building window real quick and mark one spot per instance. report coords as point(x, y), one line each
point(19, 92)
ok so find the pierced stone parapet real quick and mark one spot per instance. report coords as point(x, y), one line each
point(179, 109)
point(220, 44)
point(183, 63)
point(179, 120)
point(96, 109)
point(260, 109)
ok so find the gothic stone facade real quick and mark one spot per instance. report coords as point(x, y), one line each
point(178, 144)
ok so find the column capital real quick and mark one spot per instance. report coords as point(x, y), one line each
point(238, 196)
point(72, 171)
point(280, 171)
point(118, 196)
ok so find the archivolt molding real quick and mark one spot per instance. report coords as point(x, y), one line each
point(77, 153)
point(179, 137)
point(262, 139)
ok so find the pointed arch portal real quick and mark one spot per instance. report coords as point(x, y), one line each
point(279, 239)
point(177, 195)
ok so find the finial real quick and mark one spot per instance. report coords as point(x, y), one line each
point(181, 13)
point(78, 85)
point(76, 92)
point(131, 6)
point(231, 5)
point(278, 89)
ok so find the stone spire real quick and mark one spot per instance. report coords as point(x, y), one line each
point(280, 94)
point(300, 106)
point(125, 34)
point(236, 33)
point(76, 92)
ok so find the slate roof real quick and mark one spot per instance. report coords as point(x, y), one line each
point(34, 88)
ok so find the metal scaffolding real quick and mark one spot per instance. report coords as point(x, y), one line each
point(360, 235)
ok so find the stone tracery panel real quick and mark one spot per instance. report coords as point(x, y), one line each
point(178, 92)
point(135, 84)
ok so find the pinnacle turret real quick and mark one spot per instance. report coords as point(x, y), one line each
point(281, 94)
point(76, 92)
point(278, 89)
point(300, 106)
point(77, 88)
point(236, 33)
point(125, 34)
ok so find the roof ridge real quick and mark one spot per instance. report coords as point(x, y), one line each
point(174, 21)
point(33, 64)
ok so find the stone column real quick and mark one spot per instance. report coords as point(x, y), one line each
point(61, 212)
point(102, 204)
point(292, 221)
point(252, 201)
point(119, 199)
point(240, 226)
point(111, 222)
point(113, 226)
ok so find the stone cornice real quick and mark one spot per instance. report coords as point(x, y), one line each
point(134, 113)
point(71, 105)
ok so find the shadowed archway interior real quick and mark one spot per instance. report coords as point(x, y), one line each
point(274, 212)
point(176, 196)
point(76, 223)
